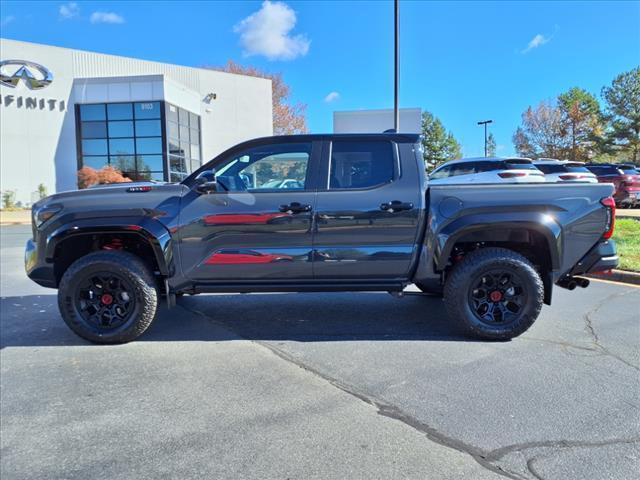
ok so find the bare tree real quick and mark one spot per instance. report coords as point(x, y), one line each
point(542, 133)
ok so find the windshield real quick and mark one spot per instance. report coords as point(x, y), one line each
point(519, 164)
point(629, 169)
point(550, 168)
point(604, 170)
point(576, 168)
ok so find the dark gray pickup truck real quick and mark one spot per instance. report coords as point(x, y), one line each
point(318, 213)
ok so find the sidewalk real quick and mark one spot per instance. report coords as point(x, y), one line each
point(17, 217)
point(628, 213)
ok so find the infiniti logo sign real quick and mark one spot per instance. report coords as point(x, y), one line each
point(33, 75)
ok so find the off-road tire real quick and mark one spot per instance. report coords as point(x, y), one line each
point(127, 266)
point(460, 284)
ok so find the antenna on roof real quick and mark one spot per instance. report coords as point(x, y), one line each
point(390, 130)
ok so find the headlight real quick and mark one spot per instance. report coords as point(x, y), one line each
point(43, 214)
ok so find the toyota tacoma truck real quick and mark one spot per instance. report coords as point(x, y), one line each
point(318, 213)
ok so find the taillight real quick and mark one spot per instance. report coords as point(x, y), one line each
point(610, 205)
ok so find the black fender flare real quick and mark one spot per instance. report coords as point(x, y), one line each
point(486, 226)
point(152, 231)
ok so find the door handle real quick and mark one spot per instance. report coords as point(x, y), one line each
point(295, 207)
point(396, 206)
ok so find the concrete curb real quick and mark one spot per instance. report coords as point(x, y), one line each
point(621, 276)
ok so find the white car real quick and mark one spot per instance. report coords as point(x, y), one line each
point(487, 170)
point(287, 183)
point(561, 171)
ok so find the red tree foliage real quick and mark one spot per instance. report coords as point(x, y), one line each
point(288, 118)
point(88, 176)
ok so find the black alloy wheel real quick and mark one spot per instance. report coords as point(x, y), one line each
point(497, 296)
point(494, 293)
point(105, 300)
point(108, 297)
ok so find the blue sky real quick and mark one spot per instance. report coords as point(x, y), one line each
point(464, 61)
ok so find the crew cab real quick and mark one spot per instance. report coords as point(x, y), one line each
point(363, 217)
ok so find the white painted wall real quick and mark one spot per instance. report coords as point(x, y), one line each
point(39, 145)
point(376, 121)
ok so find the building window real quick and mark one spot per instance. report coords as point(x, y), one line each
point(183, 142)
point(129, 136)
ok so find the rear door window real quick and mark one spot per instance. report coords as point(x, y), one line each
point(483, 167)
point(604, 170)
point(462, 169)
point(360, 164)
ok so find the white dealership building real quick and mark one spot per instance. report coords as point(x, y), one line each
point(62, 109)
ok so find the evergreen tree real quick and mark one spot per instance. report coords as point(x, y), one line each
point(438, 144)
point(623, 114)
point(491, 145)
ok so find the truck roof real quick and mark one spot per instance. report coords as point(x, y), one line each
point(395, 137)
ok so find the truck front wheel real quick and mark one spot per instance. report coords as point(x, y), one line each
point(494, 294)
point(108, 297)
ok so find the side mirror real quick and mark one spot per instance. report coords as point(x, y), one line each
point(206, 182)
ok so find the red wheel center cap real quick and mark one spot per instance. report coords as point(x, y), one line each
point(106, 299)
point(495, 296)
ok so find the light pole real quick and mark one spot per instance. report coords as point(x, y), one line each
point(396, 66)
point(485, 122)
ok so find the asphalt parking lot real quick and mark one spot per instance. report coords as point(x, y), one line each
point(297, 386)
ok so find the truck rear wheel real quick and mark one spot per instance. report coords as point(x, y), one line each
point(494, 294)
point(108, 297)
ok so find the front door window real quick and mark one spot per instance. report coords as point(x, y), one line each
point(269, 168)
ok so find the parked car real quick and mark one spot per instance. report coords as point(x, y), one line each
point(626, 182)
point(289, 183)
point(561, 171)
point(366, 219)
point(486, 170)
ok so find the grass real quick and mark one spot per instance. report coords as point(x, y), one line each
point(627, 237)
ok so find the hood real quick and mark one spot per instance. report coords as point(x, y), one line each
point(159, 200)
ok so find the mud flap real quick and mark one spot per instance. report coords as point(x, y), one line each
point(171, 297)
